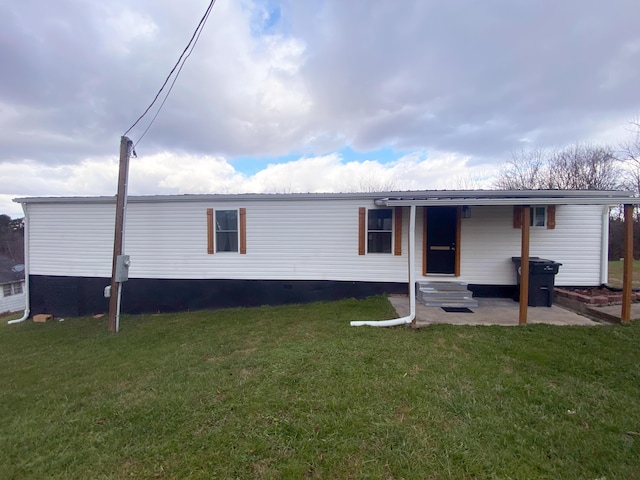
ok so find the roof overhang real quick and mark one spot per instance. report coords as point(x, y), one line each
point(518, 197)
point(418, 198)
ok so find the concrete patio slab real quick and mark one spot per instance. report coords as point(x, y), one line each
point(490, 311)
point(613, 313)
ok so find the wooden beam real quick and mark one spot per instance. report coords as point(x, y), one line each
point(243, 231)
point(362, 230)
point(210, 231)
point(627, 269)
point(458, 240)
point(397, 231)
point(524, 265)
point(424, 241)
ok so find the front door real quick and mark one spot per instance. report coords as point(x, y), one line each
point(441, 240)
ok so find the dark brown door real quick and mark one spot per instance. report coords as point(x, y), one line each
point(441, 230)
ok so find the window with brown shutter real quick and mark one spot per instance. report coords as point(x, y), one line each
point(539, 216)
point(380, 230)
point(227, 230)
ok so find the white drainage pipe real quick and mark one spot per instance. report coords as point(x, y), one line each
point(412, 283)
point(25, 315)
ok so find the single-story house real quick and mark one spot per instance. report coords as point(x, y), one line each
point(12, 286)
point(208, 251)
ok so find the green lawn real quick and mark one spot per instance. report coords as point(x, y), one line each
point(615, 273)
point(295, 392)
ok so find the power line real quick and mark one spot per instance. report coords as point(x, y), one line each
point(190, 45)
point(174, 79)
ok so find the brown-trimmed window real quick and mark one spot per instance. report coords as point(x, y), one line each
point(227, 230)
point(540, 216)
point(226, 222)
point(379, 230)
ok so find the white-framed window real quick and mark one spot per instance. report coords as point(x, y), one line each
point(379, 230)
point(538, 217)
point(10, 289)
point(226, 230)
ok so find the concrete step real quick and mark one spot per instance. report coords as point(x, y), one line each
point(448, 286)
point(435, 303)
point(445, 293)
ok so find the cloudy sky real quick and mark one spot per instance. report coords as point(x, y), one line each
point(305, 96)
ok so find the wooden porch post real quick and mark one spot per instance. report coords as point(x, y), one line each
point(524, 265)
point(627, 269)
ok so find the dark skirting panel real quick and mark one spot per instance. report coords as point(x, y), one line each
point(79, 296)
point(492, 291)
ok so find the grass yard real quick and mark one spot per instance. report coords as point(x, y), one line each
point(615, 273)
point(295, 392)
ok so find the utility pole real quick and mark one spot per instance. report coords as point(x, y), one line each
point(118, 241)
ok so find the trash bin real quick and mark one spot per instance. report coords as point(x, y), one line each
point(542, 273)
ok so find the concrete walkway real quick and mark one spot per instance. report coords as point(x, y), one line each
point(490, 311)
point(612, 313)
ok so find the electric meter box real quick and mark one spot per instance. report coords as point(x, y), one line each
point(122, 268)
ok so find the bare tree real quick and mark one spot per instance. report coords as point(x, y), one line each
point(469, 181)
point(585, 167)
point(630, 152)
point(631, 156)
point(576, 167)
point(373, 183)
point(12, 238)
point(527, 170)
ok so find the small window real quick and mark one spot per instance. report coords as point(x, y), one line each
point(11, 289)
point(379, 230)
point(538, 217)
point(226, 230)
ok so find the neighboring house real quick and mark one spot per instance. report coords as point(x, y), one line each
point(208, 251)
point(12, 288)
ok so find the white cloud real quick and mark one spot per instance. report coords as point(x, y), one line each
point(166, 173)
point(124, 27)
point(466, 82)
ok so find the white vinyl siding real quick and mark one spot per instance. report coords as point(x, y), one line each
point(285, 241)
point(72, 239)
point(15, 301)
point(295, 240)
point(488, 241)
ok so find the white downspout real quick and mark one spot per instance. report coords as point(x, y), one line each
point(26, 269)
point(412, 283)
point(604, 252)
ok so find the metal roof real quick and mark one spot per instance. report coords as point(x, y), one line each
point(510, 197)
point(419, 198)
